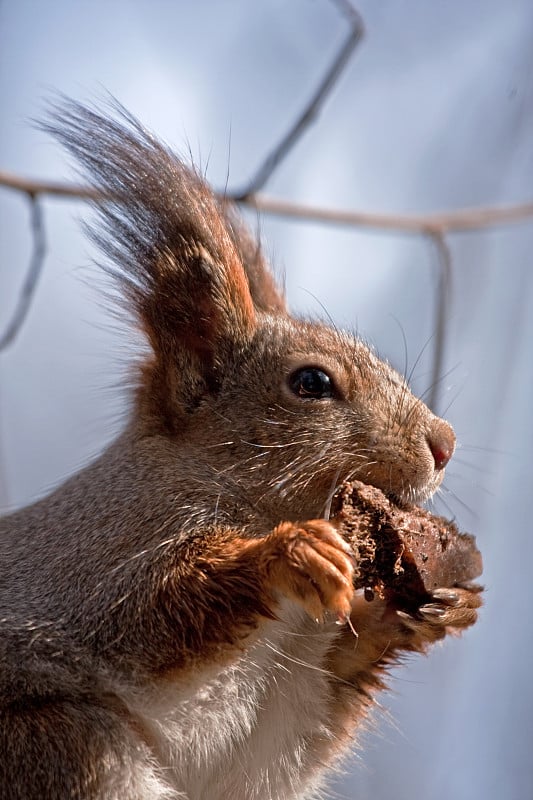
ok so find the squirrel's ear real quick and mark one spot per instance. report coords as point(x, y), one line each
point(172, 249)
point(265, 291)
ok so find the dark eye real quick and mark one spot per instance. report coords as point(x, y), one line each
point(311, 383)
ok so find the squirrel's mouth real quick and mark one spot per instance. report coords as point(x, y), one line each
point(404, 489)
point(416, 495)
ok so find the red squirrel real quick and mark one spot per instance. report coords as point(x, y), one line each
point(178, 620)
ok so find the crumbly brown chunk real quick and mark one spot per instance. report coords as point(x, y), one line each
point(405, 550)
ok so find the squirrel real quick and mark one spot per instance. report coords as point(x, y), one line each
point(178, 620)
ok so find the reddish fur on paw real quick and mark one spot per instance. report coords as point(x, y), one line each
point(384, 632)
point(452, 609)
point(310, 563)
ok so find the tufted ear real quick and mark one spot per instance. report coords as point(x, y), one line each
point(265, 292)
point(175, 255)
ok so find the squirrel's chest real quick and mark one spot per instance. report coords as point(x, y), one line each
point(248, 732)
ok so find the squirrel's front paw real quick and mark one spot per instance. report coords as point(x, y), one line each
point(310, 563)
point(454, 608)
point(449, 611)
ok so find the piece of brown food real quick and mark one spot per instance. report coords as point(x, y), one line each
point(404, 550)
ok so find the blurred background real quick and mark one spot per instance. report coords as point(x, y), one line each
point(435, 111)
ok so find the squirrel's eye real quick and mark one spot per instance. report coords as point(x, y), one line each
point(311, 383)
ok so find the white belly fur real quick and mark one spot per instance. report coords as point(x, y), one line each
point(243, 734)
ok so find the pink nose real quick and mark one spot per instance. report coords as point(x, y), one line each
point(441, 442)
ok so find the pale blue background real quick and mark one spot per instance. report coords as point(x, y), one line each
point(435, 111)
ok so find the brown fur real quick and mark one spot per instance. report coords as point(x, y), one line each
point(165, 561)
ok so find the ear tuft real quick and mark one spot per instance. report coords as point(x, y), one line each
point(171, 246)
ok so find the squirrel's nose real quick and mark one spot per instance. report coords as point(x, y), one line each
point(441, 442)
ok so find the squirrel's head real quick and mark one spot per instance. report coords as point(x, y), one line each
point(303, 407)
point(281, 410)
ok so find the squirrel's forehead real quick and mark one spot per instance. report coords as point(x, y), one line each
point(318, 337)
point(297, 339)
